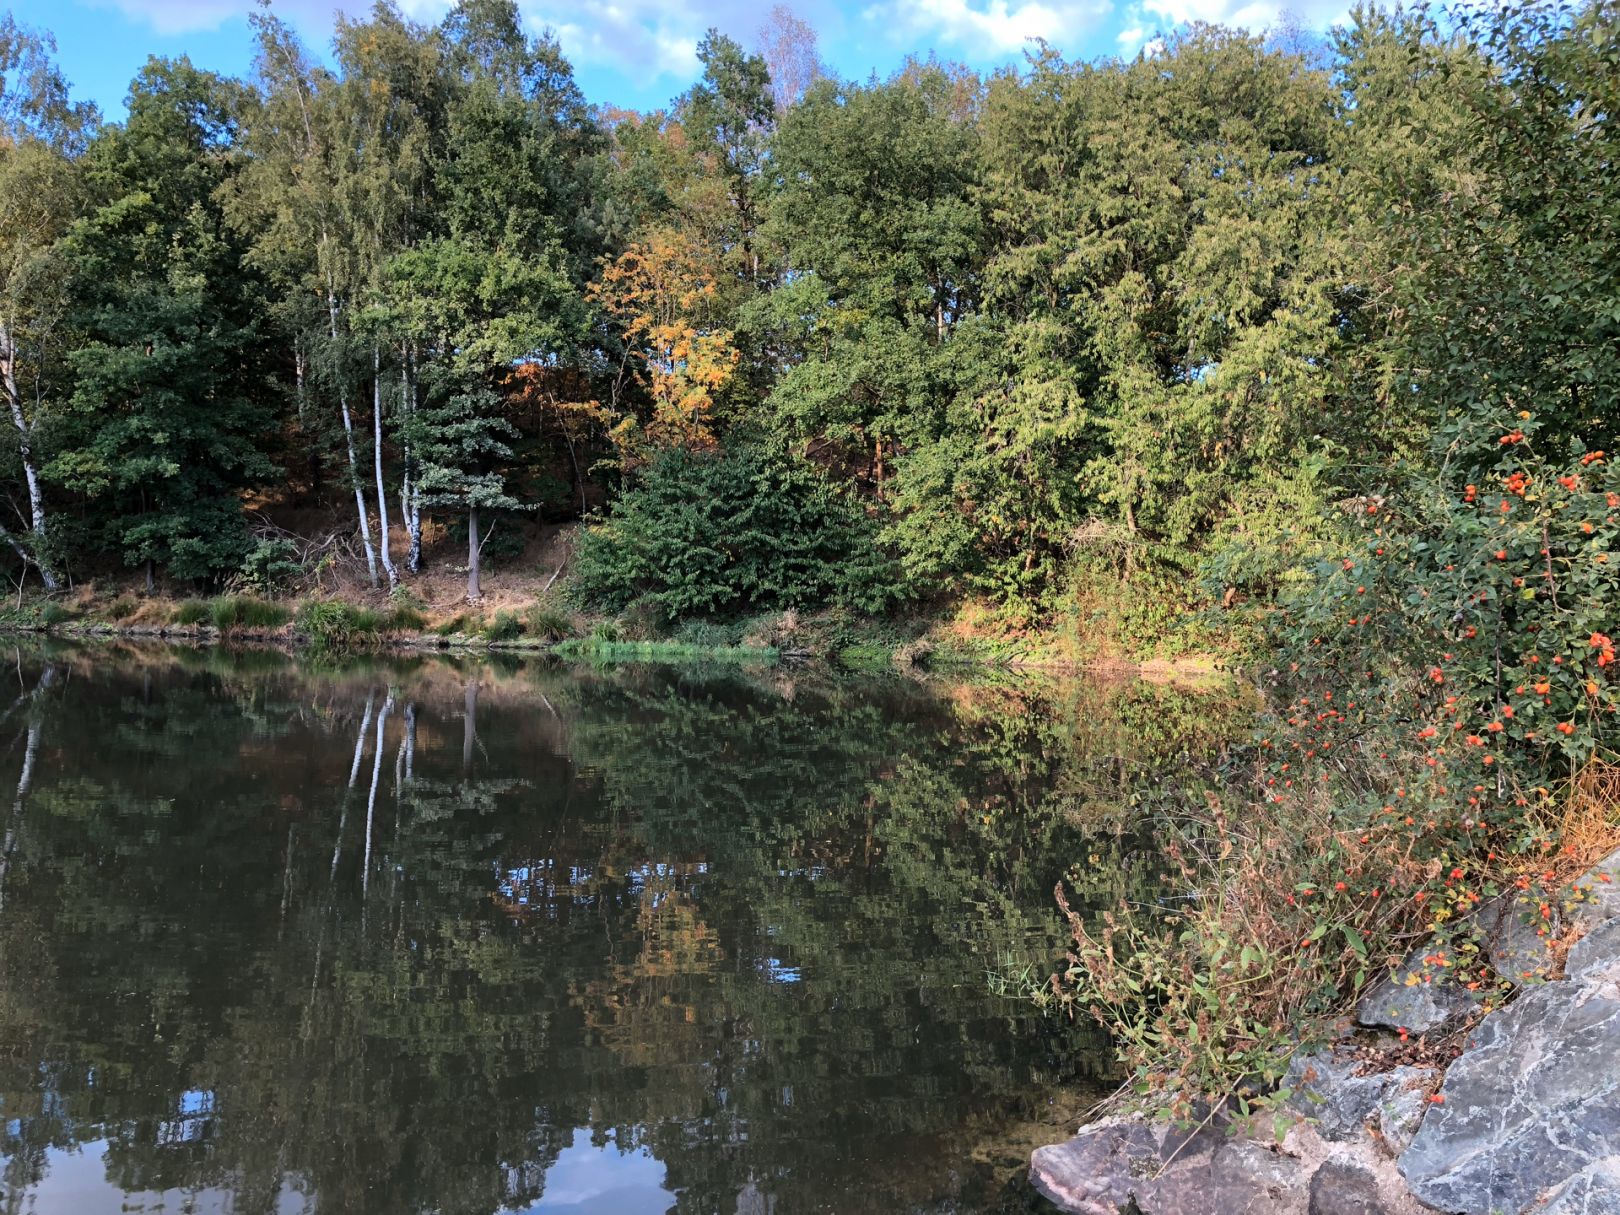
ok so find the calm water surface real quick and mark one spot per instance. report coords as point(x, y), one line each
point(418, 936)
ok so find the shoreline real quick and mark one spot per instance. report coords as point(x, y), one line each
point(1424, 1103)
point(865, 655)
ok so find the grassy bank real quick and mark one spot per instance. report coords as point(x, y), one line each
point(964, 636)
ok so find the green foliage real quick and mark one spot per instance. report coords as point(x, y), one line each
point(334, 624)
point(1447, 684)
point(240, 612)
point(1450, 676)
point(459, 623)
point(403, 596)
point(193, 611)
point(403, 618)
point(730, 532)
point(169, 405)
point(1514, 296)
point(271, 565)
point(707, 634)
point(603, 651)
point(546, 621)
point(506, 626)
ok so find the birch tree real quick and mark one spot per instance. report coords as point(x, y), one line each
point(289, 201)
point(41, 133)
point(389, 105)
point(501, 284)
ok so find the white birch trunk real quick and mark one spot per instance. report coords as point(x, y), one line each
point(25, 450)
point(410, 507)
point(377, 460)
point(354, 463)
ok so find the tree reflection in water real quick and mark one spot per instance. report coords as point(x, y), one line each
point(418, 935)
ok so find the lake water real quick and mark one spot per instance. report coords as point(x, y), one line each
point(395, 936)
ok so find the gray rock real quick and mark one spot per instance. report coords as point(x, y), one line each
point(1533, 1100)
point(1602, 897)
point(1103, 1168)
point(1416, 997)
point(1344, 1189)
point(1093, 1173)
point(1597, 953)
point(1344, 1106)
point(1514, 937)
point(1595, 1190)
point(1596, 917)
point(1404, 1104)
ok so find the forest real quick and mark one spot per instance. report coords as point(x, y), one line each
point(1301, 349)
point(1170, 324)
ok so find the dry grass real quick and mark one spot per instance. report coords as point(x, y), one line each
point(1590, 827)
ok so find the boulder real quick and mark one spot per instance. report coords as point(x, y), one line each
point(1129, 1164)
point(1516, 938)
point(1595, 916)
point(1345, 1189)
point(1345, 1106)
point(1533, 1100)
point(1417, 997)
point(1165, 1172)
point(1595, 1190)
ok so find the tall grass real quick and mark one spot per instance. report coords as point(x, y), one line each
point(236, 613)
point(335, 624)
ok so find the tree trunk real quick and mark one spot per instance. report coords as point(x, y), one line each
point(579, 477)
point(474, 549)
point(354, 463)
point(25, 450)
point(312, 450)
point(298, 378)
point(410, 505)
point(376, 447)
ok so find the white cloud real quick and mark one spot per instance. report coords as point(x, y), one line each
point(1252, 15)
point(996, 27)
point(650, 38)
point(191, 16)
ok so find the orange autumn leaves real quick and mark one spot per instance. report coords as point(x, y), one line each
point(662, 292)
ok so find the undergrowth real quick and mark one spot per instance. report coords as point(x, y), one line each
point(1440, 737)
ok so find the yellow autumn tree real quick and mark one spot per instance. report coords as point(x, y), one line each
point(661, 291)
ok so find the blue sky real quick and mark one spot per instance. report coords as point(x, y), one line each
point(640, 53)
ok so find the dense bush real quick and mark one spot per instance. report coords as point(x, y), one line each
point(1443, 732)
point(333, 623)
point(703, 534)
point(1445, 690)
point(546, 621)
point(506, 626)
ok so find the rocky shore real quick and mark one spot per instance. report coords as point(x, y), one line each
point(1525, 1119)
